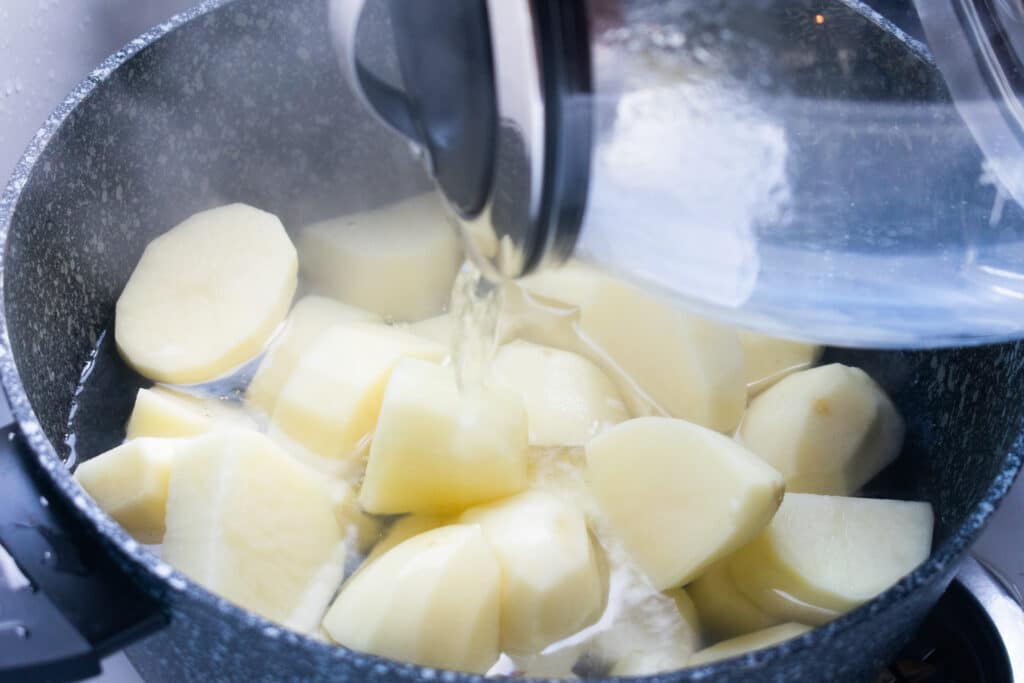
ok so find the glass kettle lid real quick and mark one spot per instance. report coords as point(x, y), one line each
point(803, 168)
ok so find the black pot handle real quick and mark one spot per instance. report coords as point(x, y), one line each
point(64, 603)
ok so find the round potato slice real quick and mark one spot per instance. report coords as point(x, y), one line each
point(206, 295)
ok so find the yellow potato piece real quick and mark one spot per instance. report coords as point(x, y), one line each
point(661, 478)
point(833, 552)
point(432, 600)
point(769, 359)
point(690, 367)
point(130, 484)
point(568, 399)
point(399, 261)
point(160, 411)
point(741, 645)
point(402, 530)
point(206, 295)
point(438, 450)
point(725, 612)
point(551, 584)
point(332, 398)
point(251, 524)
point(828, 430)
point(309, 318)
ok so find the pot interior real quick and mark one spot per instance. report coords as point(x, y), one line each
point(247, 103)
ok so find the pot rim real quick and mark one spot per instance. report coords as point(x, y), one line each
point(130, 553)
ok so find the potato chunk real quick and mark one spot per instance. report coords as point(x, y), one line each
point(725, 612)
point(827, 430)
point(432, 600)
point(206, 296)
point(661, 478)
point(249, 523)
point(333, 396)
point(832, 552)
point(769, 359)
point(690, 367)
point(551, 585)
point(568, 399)
point(399, 261)
point(160, 411)
point(130, 484)
point(438, 450)
point(402, 530)
point(758, 640)
point(310, 317)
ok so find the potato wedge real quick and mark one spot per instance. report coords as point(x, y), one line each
point(551, 584)
point(725, 612)
point(661, 478)
point(690, 367)
point(248, 522)
point(332, 398)
point(438, 450)
point(568, 399)
point(309, 318)
point(130, 484)
point(828, 430)
point(399, 261)
point(833, 552)
point(432, 600)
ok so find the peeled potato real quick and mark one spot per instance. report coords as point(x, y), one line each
point(333, 396)
point(399, 261)
point(680, 496)
point(827, 430)
point(249, 523)
point(568, 399)
point(432, 600)
point(130, 484)
point(162, 412)
point(752, 641)
point(690, 367)
point(769, 359)
point(551, 585)
point(832, 552)
point(309, 318)
point(438, 450)
point(404, 529)
point(206, 295)
point(725, 612)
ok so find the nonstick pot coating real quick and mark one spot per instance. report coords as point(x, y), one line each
point(243, 101)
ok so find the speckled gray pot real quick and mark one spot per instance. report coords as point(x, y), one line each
point(242, 101)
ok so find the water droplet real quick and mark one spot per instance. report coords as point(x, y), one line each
point(44, 502)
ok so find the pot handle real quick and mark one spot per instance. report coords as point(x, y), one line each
point(64, 603)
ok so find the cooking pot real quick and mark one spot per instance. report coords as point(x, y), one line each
point(244, 101)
